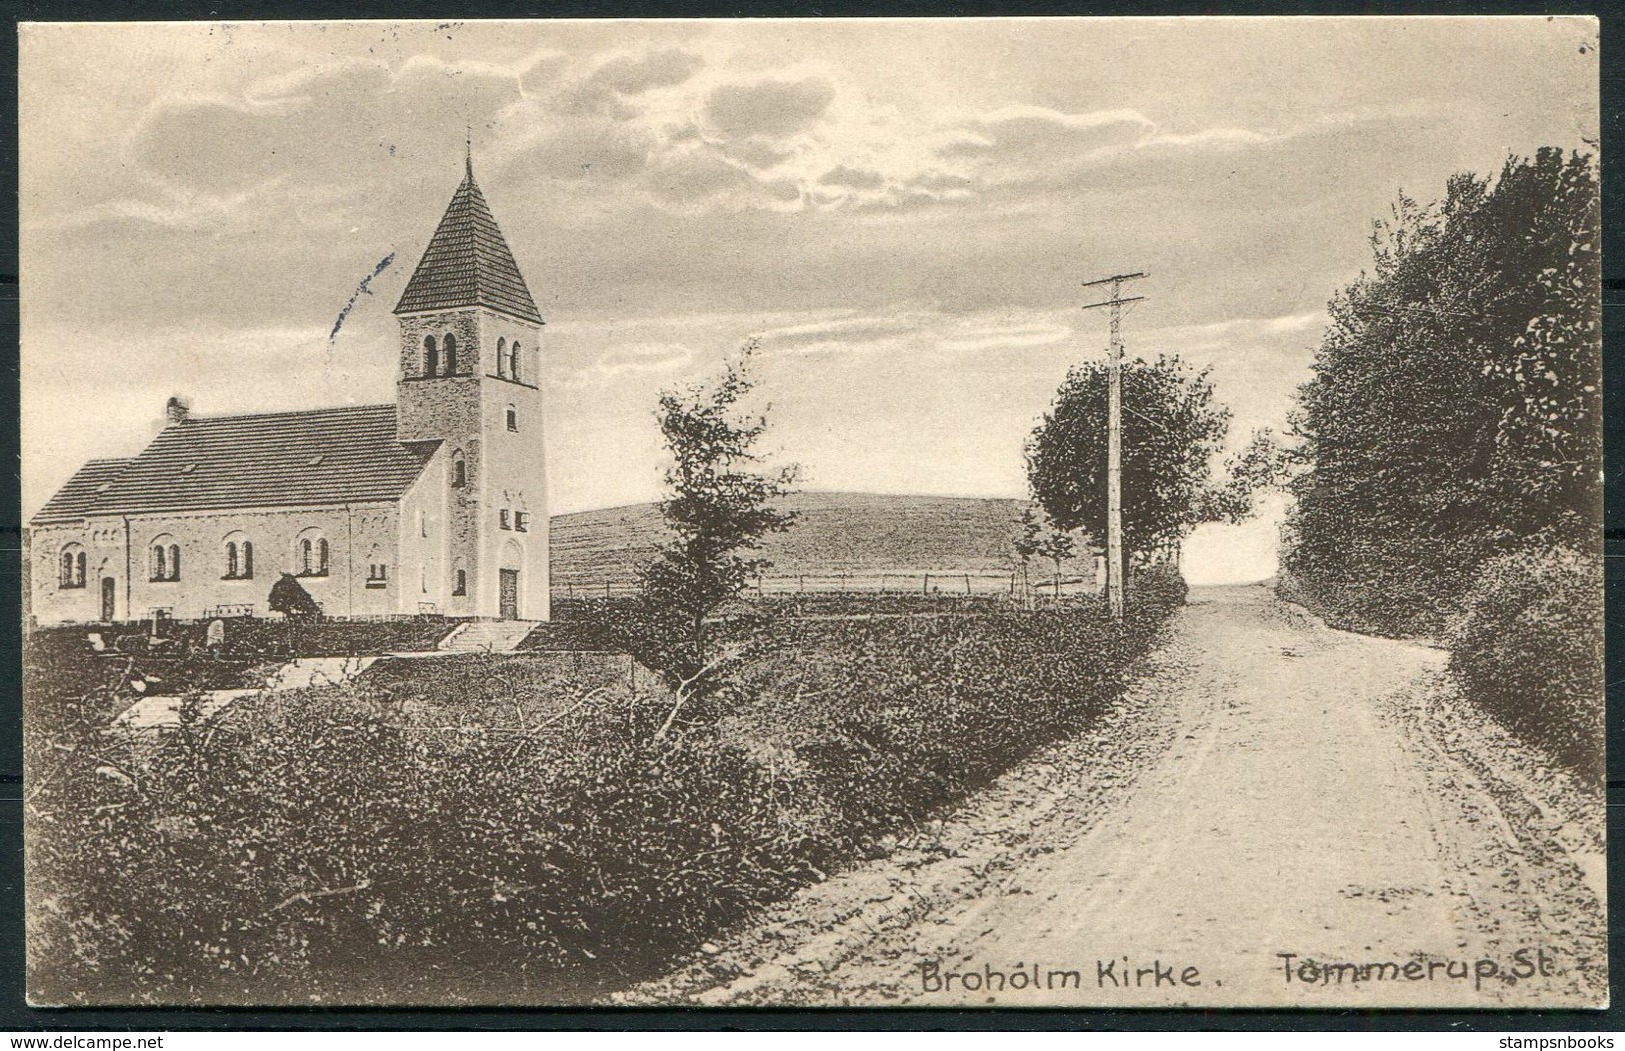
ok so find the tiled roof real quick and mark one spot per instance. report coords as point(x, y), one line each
point(468, 263)
point(81, 492)
point(282, 459)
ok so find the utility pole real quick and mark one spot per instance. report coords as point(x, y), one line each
point(1114, 437)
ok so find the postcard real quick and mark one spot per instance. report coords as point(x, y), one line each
point(1070, 512)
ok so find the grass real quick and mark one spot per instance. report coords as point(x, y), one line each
point(835, 533)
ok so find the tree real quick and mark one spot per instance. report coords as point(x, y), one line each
point(1056, 545)
point(290, 598)
point(1025, 544)
point(1455, 409)
point(1037, 538)
point(1172, 432)
point(717, 508)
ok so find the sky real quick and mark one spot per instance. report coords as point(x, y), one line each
point(901, 211)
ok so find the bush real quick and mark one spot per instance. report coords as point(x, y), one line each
point(391, 844)
point(1528, 649)
point(660, 638)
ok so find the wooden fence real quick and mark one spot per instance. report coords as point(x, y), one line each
point(935, 582)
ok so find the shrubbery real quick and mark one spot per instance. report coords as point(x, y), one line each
point(1455, 411)
point(1528, 648)
point(337, 844)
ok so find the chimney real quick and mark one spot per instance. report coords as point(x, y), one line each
point(177, 409)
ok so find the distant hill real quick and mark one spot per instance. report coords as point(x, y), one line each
point(835, 533)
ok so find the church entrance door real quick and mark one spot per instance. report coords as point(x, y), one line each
point(508, 593)
point(109, 590)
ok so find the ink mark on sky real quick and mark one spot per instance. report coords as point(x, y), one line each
point(360, 290)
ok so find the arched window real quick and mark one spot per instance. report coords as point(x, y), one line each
point(72, 568)
point(239, 557)
point(513, 418)
point(459, 469)
point(502, 356)
point(164, 558)
point(513, 367)
point(311, 553)
point(459, 582)
point(450, 364)
point(431, 356)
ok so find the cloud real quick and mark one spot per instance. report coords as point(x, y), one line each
point(633, 75)
point(345, 77)
point(612, 88)
point(697, 174)
point(772, 109)
point(212, 145)
point(971, 338)
point(853, 178)
point(624, 359)
point(596, 149)
point(1039, 131)
point(846, 334)
point(754, 152)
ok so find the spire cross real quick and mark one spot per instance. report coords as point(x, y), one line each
point(468, 151)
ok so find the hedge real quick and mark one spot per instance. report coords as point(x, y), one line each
point(337, 845)
point(1528, 648)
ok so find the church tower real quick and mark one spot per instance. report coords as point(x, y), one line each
point(470, 378)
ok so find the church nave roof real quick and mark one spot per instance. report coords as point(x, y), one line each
point(278, 459)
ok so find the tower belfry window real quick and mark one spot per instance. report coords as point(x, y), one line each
point(431, 356)
point(449, 366)
point(502, 357)
point(513, 368)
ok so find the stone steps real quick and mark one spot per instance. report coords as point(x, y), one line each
point(488, 636)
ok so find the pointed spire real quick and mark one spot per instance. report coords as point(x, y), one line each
point(468, 151)
point(468, 262)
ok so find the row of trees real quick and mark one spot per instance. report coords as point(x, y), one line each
point(1455, 413)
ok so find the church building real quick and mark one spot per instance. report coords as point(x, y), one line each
point(436, 503)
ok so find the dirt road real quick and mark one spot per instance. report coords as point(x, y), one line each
point(1278, 813)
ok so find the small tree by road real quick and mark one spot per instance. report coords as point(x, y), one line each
point(1037, 538)
point(718, 506)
